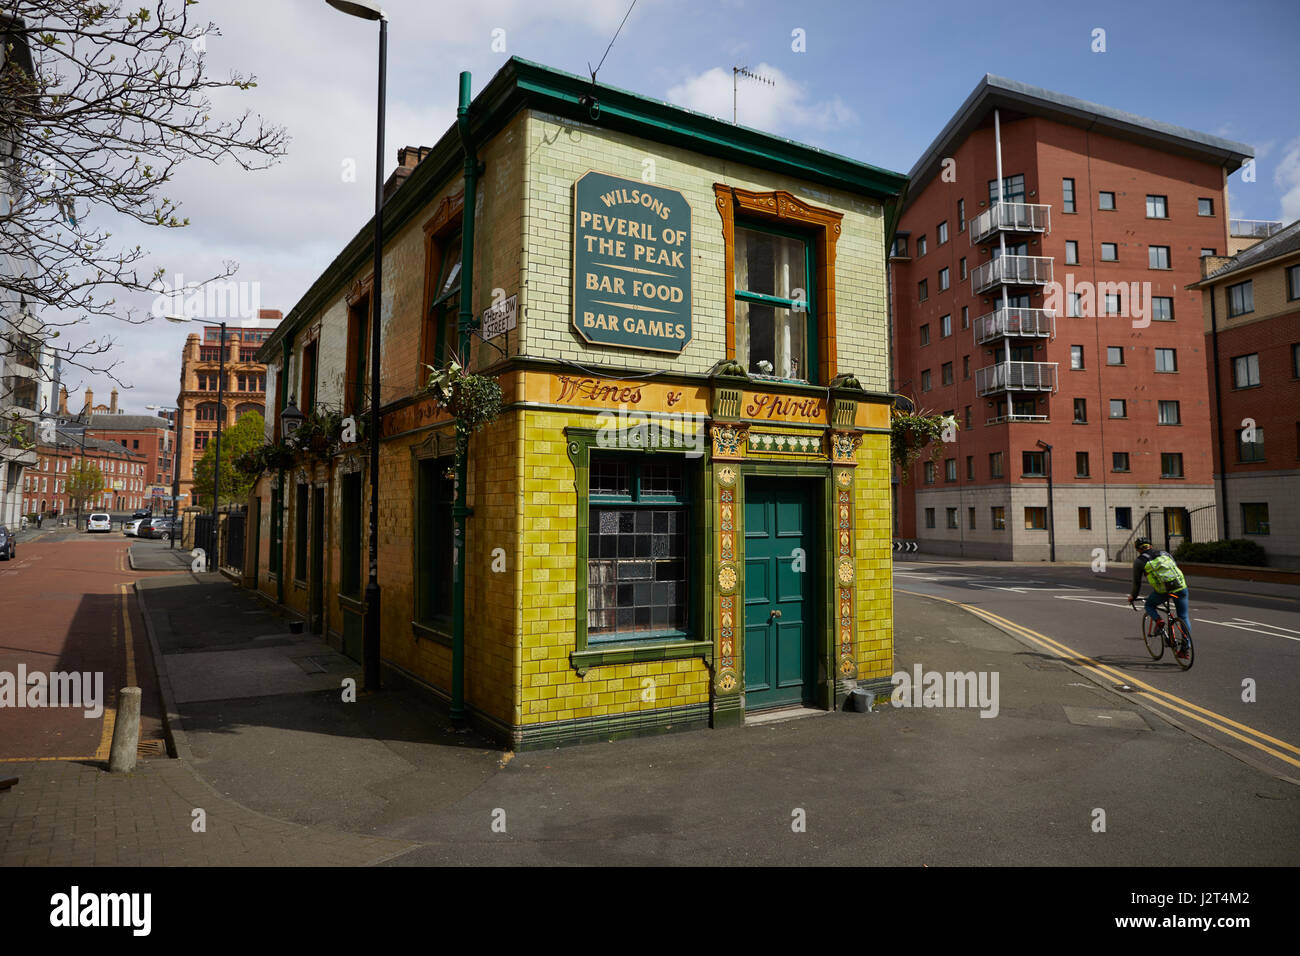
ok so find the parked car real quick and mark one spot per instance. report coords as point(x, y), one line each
point(142, 513)
point(131, 527)
point(7, 544)
point(156, 528)
point(99, 521)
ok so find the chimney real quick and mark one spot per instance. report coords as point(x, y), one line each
point(408, 157)
point(270, 314)
point(63, 400)
point(112, 402)
point(90, 402)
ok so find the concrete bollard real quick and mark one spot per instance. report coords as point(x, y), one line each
point(126, 732)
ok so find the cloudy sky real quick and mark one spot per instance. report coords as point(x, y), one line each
point(876, 81)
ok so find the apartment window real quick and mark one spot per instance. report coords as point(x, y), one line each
point(1033, 464)
point(350, 531)
point(1118, 408)
point(1158, 257)
point(965, 366)
point(925, 334)
point(1013, 189)
point(300, 533)
point(1292, 282)
point(1241, 298)
point(1204, 207)
point(1119, 461)
point(968, 416)
point(1171, 465)
point(1124, 519)
point(941, 233)
point(307, 392)
point(929, 472)
point(1206, 251)
point(1067, 195)
point(1254, 517)
point(1085, 519)
point(1109, 252)
point(961, 215)
point(1252, 450)
point(1080, 411)
point(1295, 360)
point(952, 518)
point(1166, 360)
point(943, 279)
point(776, 324)
point(1071, 252)
point(970, 467)
point(1169, 413)
point(1162, 308)
point(1114, 355)
point(1157, 207)
point(1111, 304)
point(961, 263)
point(1036, 519)
point(1074, 305)
point(1245, 371)
point(1081, 464)
point(950, 469)
point(923, 290)
point(900, 246)
point(970, 518)
point(920, 246)
point(995, 464)
point(965, 317)
point(925, 380)
point(945, 326)
point(929, 517)
point(945, 371)
point(1076, 357)
point(1106, 200)
point(998, 516)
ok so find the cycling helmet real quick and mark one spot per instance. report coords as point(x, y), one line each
point(1143, 543)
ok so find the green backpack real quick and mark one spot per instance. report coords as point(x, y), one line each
point(1164, 576)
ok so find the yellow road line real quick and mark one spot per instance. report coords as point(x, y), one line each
point(1153, 693)
point(130, 637)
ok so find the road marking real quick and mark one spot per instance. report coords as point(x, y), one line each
point(1243, 627)
point(1062, 650)
point(1121, 606)
point(1276, 627)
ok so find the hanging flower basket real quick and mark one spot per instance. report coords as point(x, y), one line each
point(911, 433)
point(474, 400)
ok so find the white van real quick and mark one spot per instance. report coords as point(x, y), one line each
point(99, 522)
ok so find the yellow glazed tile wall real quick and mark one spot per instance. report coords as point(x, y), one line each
point(560, 151)
point(552, 690)
point(875, 597)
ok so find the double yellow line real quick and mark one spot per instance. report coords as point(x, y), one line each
point(1152, 694)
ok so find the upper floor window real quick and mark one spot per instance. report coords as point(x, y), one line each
point(923, 290)
point(1166, 360)
point(941, 233)
point(961, 215)
point(1158, 257)
point(943, 279)
point(1245, 370)
point(444, 307)
point(1204, 207)
point(776, 326)
point(1241, 298)
point(1157, 207)
point(1013, 189)
point(920, 246)
point(1106, 200)
point(1293, 282)
point(1067, 195)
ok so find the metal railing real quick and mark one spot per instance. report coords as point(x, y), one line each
point(1016, 377)
point(1015, 323)
point(1012, 270)
point(1254, 228)
point(1010, 217)
point(1016, 417)
point(232, 540)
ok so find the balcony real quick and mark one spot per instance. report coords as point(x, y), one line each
point(1253, 228)
point(1010, 217)
point(1011, 271)
point(1016, 377)
point(1015, 324)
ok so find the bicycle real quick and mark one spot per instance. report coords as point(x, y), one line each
point(1157, 635)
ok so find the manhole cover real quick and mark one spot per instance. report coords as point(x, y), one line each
point(1096, 717)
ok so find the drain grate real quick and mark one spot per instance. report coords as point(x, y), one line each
point(151, 748)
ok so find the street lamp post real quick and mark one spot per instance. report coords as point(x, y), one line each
point(367, 10)
point(1051, 514)
point(216, 471)
point(176, 474)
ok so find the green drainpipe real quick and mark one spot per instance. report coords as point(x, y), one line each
point(459, 511)
point(277, 513)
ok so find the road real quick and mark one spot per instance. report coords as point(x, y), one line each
point(1241, 693)
point(69, 607)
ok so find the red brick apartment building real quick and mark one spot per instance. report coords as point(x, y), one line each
point(1055, 311)
point(1252, 329)
point(45, 489)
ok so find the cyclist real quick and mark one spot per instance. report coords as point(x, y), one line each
point(1165, 579)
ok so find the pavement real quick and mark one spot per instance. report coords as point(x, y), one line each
point(155, 554)
point(287, 770)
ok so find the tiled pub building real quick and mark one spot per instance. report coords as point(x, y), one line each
point(682, 514)
point(1054, 309)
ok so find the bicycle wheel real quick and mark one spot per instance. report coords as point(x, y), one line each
point(1179, 633)
point(1153, 637)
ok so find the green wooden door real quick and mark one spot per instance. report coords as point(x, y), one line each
point(779, 581)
